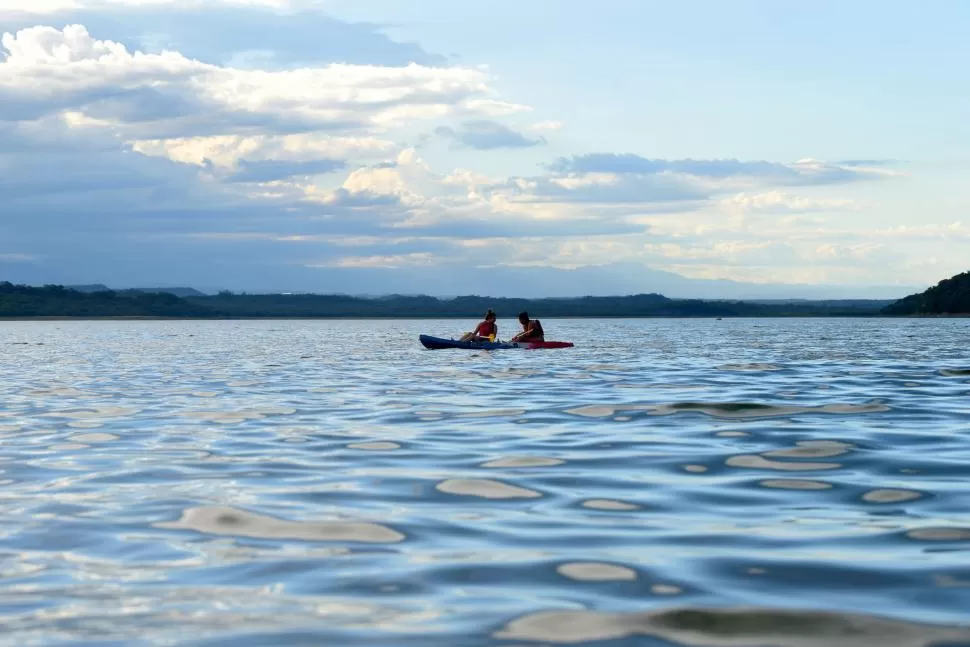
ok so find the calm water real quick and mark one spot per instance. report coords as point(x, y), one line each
point(800, 483)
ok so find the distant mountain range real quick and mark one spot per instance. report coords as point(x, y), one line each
point(56, 301)
point(446, 282)
point(950, 296)
point(98, 287)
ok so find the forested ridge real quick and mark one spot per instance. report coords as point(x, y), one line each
point(58, 301)
point(948, 297)
point(22, 301)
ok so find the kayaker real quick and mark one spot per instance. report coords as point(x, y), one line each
point(531, 329)
point(485, 331)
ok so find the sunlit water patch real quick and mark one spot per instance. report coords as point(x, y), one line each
point(793, 483)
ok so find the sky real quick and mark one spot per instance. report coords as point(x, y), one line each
point(540, 148)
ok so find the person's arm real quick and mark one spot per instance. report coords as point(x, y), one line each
point(525, 334)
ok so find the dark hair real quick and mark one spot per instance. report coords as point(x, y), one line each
point(488, 314)
point(523, 315)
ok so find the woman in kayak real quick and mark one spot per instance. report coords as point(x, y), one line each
point(485, 331)
point(531, 329)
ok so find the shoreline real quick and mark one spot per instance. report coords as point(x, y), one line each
point(454, 317)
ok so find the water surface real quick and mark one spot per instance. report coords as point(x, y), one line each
point(791, 482)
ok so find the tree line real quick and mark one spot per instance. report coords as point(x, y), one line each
point(948, 297)
point(58, 301)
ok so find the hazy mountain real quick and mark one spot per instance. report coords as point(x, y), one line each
point(179, 292)
point(550, 282)
point(519, 282)
point(88, 289)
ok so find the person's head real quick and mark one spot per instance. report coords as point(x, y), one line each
point(489, 316)
point(523, 317)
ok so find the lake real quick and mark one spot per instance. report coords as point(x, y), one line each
point(790, 482)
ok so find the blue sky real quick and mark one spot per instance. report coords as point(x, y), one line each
point(749, 148)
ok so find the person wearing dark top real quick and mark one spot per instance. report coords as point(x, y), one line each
point(485, 331)
point(531, 329)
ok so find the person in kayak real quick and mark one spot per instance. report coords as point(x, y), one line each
point(485, 331)
point(531, 329)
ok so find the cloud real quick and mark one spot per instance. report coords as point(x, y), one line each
point(151, 163)
point(802, 172)
point(49, 70)
point(229, 151)
point(547, 125)
point(270, 170)
point(16, 258)
point(869, 162)
point(487, 135)
point(779, 202)
point(41, 7)
point(235, 33)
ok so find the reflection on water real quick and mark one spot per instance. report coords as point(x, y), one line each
point(714, 628)
point(794, 483)
point(228, 521)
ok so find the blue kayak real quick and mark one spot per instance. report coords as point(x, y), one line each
point(439, 343)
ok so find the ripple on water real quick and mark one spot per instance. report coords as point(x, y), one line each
point(603, 410)
point(890, 496)
point(523, 461)
point(812, 449)
point(730, 628)
point(795, 484)
point(940, 534)
point(749, 367)
point(596, 572)
point(955, 372)
point(609, 504)
point(93, 413)
point(93, 438)
point(85, 424)
point(486, 489)
point(666, 589)
point(492, 413)
point(758, 410)
point(483, 487)
point(375, 446)
point(754, 461)
point(228, 417)
point(221, 520)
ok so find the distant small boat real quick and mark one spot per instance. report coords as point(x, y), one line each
point(439, 343)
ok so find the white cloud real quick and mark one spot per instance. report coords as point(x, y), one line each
point(547, 125)
point(494, 107)
point(49, 70)
point(780, 202)
point(17, 258)
point(42, 7)
point(393, 261)
point(175, 128)
point(227, 151)
point(586, 180)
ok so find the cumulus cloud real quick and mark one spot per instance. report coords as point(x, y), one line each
point(779, 202)
point(229, 152)
point(802, 172)
point(486, 135)
point(176, 166)
point(42, 7)
point(547, 125)
point(48, 70)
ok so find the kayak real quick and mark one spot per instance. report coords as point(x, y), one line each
point(439, 343)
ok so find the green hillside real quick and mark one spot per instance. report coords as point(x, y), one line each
point(948, 297)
